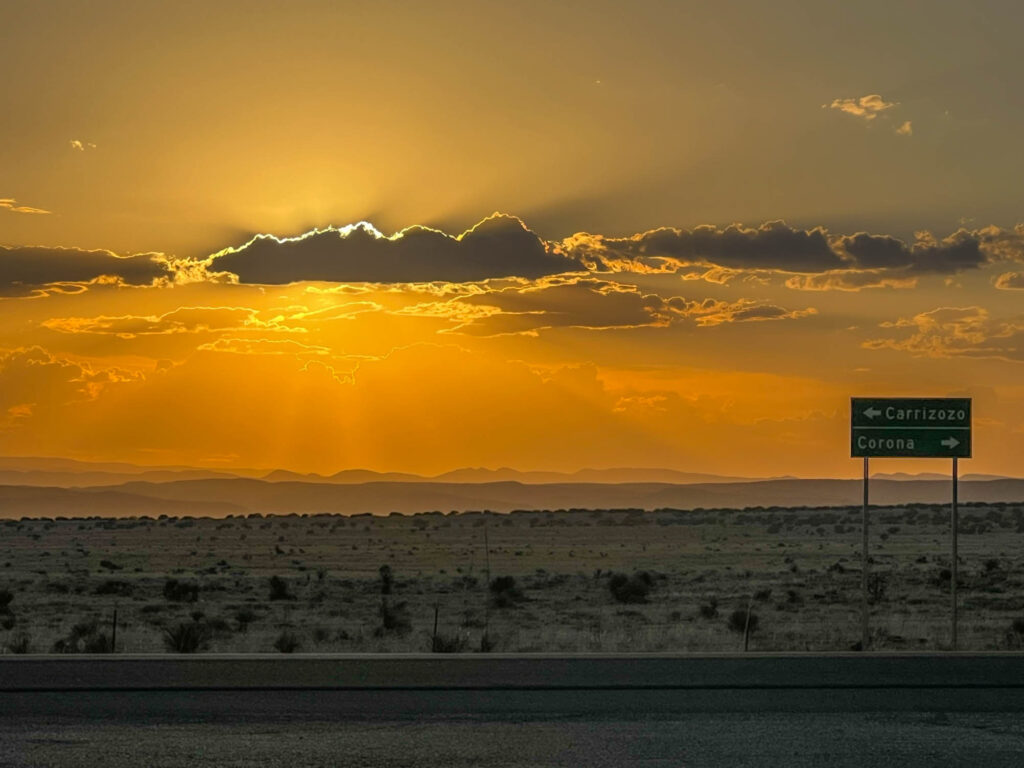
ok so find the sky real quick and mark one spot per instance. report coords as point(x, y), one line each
point(422, 236)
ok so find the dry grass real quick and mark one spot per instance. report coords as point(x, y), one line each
point(802, 565)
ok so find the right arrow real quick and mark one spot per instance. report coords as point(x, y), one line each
point(872, 412)
point(950, 442)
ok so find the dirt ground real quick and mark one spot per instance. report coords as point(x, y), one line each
point(684, 574)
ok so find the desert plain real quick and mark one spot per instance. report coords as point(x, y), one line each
point(598, 580)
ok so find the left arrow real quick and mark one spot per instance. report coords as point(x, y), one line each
point(872, 412)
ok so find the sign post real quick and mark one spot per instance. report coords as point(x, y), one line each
point(865, 636)
point(954, 525)
point(907, 427)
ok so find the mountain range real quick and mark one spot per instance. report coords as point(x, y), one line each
point(71, 473)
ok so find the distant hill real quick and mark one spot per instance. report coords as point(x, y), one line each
point(29, 501)
point(933, 476)
point(504, 474)
point(71, 473)
point(220, 497)
point(90, 479)
point(614, 475)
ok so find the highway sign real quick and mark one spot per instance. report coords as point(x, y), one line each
point(922, 427)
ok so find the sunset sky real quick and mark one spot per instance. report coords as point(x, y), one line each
point(422, 236)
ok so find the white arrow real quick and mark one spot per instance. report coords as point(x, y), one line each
point(872, 412)
point(950, 442)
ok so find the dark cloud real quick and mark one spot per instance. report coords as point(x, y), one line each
point(876, 251)
point(773, 245)
point(500, 246)
point(817, 259)
point(29, 269)
point(958, 252)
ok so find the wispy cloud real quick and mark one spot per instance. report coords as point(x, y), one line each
point(81, 146)
point(588, 303)
point(181, 320)
point(865, 107)
point(955, 332)
point(906, 129)
point(10, 204)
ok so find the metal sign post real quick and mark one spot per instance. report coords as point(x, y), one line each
point(923, 427)
point(954, 524)
point(865, 637)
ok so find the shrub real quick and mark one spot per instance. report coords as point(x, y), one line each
point(84, 637)
point(1018, 626)
point(321, 635)
point(84, 628)
point(188, 637)
point(6, 597)
point(286, 642)
point(763, 594)
point(709, 610)
point(244, 617)
point(738, 621)
point(181, 591)
point(19, 644)
point(219, 627)
point(115, 587)
point(393, 618)
point(449, 644)
point(98, 643)
point(877, 584)
point(387, 579)
point(8, 621)
point(110, 566)
point(631, 589)
point(279, 589)
point(504, 592)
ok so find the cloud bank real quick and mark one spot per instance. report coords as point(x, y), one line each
point(501, 246)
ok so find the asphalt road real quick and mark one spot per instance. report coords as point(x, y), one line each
point(907, 711)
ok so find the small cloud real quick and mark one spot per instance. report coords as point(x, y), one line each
point(867, 107)
point(10, 204)
point(81, 146)
point(1010, 281)
point(906, 129)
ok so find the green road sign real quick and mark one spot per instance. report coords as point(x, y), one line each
point(923, 427)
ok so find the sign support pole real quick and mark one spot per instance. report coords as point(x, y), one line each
point(954, 526)
point(865, 639)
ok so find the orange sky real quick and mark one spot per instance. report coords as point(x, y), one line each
point(613, 315)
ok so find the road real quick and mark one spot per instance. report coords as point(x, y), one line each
point(852, 710)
